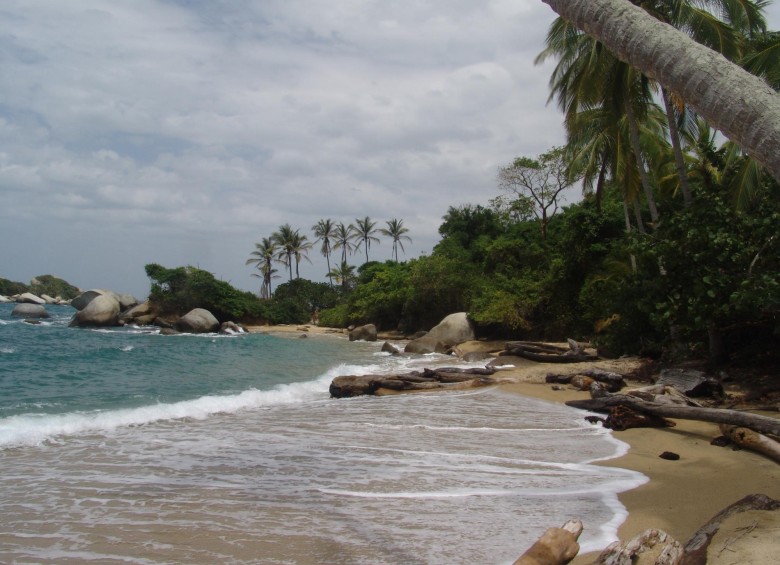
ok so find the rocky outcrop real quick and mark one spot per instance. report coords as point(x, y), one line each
point(425, 344)
point(83, 299)
point(140, 315)
point(197, 321)
point(5, 299)
point(231, 328)
point(454, 329)
point(428, 379)
point(101, 310)
point(30, 298)
point(363, 333)
point(28, 310)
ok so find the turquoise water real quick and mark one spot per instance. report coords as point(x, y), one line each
point(126, 446)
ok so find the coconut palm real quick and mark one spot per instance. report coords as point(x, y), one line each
point(343, 236)
point(325, 231)
point(742, 106)
point(263, 257)
point(344, 274)
point(285, 239)
point(364, 230)
point(397, 233)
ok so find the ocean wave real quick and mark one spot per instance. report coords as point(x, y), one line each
point(35, 429)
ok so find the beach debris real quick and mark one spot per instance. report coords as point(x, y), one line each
point(622, 418)
point(754, 441)
point(670, 456)
point(763, 532)
point(557, 546)
point(548, 353)
point(583, 380)
point(690, 382)
point(651, 546)
point(428, 379)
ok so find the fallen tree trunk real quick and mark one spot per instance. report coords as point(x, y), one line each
point(753, 441)
point(662, 548)
point(761, 424)
point(557, 546)
point(696, 547)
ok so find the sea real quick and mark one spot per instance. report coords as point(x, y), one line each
point(125, 446)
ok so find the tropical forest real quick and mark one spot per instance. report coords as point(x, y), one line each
point(648, 232)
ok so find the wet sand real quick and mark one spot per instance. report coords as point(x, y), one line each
point(681, 495)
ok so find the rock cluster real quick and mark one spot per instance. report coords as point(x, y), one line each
point(427, 379)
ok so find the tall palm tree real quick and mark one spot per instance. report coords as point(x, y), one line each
point(742, 106)
point(263, 257)
point(300, 250)
point(364, 234)
point(396, 232)
point(285, 239)
point(343, 240)
point(325, 231)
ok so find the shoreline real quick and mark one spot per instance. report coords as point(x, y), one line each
point(680, 496)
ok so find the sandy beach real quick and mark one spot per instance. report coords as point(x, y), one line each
point(681, 495)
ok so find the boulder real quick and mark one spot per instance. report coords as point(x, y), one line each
point(30, 298)
point(230, 328)
point(363, 333)
point(102, 310)
point(126, 301)
point(454, 329)
point(49, 300)
point(197, 321)
point(425, 344)
point(27, 310)
point(388, 347)
point(83, 299)
point(142, 314)
point(4, 299)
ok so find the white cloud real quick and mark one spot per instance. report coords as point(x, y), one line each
point(182, 132)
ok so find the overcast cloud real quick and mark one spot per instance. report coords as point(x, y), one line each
point(182, 131)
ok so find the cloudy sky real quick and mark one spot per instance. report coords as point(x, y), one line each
point(181, 132)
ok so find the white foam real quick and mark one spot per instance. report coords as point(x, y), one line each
point(34, 429)
point(7, 350)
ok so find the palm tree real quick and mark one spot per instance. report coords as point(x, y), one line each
point(285, 239)
point(300, 249)
point(344, 274)
point(744, 107)
point(325, 231)
point(397, 232)
point(343, 240)
point(262, 257)
point(364, 230)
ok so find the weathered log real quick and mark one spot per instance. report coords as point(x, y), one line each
point(757, 422)
point(754, 441)
point(665, 550)
point(554, 358)
point(536, 346)
point(696, 547)
point(691, 382)
point(557, 546)
point(623, 418)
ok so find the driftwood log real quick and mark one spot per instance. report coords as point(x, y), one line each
point(428, 379)
point(557, 546)
point(662, 549)
point(696, 547)
point(762, 424)
point(754, 441)
point(547, 353)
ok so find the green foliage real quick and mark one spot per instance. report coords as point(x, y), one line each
point(381, 294)
point(53, 286)
point(183, 288)
point(9, 288)
point(43, 284)
point(295, 301)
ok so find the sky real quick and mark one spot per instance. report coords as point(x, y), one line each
point(181, 132)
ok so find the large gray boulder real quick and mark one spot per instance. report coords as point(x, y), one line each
point(30, 298)
point(425, 344)
point(454, 329)
point(83, 299)
point(102, 310)
point(27, 310)
point(197, 321)
point(363, 333)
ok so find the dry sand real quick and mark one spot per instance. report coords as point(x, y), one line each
point(681, 495)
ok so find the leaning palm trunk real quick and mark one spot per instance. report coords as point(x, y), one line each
point(742, 106)
point(679, 160)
